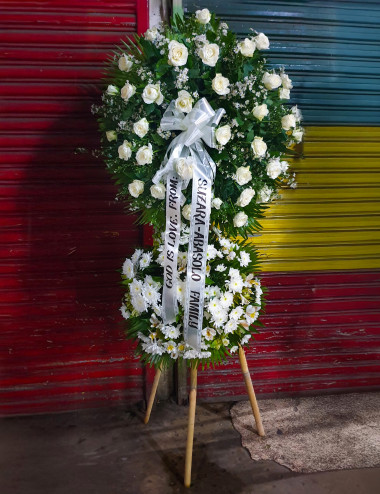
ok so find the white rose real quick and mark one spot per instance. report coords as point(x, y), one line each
point(288, 121)
point(136, 188)
point(184, 102)
point(203, 16)
point(284, 93)
point(297, 134)
point(240, 219)
point(125, 63)
point(274, 168)
point(262, 42)
point(158, 191)
point(260, 111)
point(151, 34)
point(184, 167)
point(112, 90)
point(271, 81)
point(216, 203)
point(111, 135)
point(247, 47)
point(259, 147)
point(178, 54)
point(220, 85)
point(209, 54)
point(243, 175)
point(152, 94)
point(186, 211)
point(264, 194)
point(245, 197)
point(125, 151)
point(144, 155)
point(286, 81)
point(223, 134)
point(141, 127)
point(127, 91)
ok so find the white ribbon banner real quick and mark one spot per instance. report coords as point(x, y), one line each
point(197, 126)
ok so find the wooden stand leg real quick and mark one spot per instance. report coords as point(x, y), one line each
point(251, 392)
point(190, 427)
point(152, 396)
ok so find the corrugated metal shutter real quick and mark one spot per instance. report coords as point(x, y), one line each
point(330, 49)
point(321, 242)
point(63, 236)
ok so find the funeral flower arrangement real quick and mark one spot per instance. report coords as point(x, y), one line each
point(195, 128)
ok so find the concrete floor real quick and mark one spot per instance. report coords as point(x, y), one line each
point(112, 452)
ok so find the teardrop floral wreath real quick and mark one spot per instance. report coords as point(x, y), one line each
point(158, 85)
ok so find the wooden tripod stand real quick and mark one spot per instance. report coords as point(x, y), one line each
point(192, 406)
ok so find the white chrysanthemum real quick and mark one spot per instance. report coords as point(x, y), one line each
point(149, 281)
point(220, 317)
point(230, 326)
point(128, 269)
point(151, 295)
point(145, 260)
point(214, 291)
point(236, 285)
point(125, 312)
point(135, 288)
point(211, 252)
point(170, 332)
point(245, 258)
point(220, 268)
point(234, 273)
point(236, 313)
point(208, 333)
point(138, 302)
point(181, 288)
point(214, 306)
point(160, 259)
point(226, 300)
point(136, 255)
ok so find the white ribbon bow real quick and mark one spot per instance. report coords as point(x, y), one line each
point(197, 126)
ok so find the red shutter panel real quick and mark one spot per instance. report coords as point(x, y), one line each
point(63, 235)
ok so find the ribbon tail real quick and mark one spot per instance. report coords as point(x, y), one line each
point(172, 237)
point(197, 254)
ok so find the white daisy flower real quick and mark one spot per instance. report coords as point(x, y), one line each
point(236, 285)
point(138, 302)
point(226, 300)
point(151, 295)
point(128, 269)
point(136, 255)
point(220, 318)
point(171, 332)
point(211, 252)
point(125, 312)
point(145, 260)
point(135, 288)
point(236, 313)
point(230, 326)
point(220, 268)
point(245, 258)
